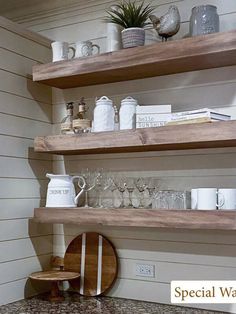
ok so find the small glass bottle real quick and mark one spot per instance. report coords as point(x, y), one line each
point(66, 123)
point(116, 119)
point(80, 123)
point(82, 109)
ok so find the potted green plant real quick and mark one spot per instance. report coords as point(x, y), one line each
point(132, 18)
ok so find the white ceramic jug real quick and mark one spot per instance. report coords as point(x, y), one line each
point(61, 190)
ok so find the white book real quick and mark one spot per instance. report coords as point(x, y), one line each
point(142, 125)
point(204, 112)
point(152, 120)
point(153, 117)
point(153, 109)
point(200, 115)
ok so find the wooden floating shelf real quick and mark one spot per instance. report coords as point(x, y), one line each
point(189, 54)
point(148, 218)
point(176, 137)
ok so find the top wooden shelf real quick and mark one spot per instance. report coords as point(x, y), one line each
point(189, 54)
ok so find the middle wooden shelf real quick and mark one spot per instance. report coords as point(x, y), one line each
point(176, 137)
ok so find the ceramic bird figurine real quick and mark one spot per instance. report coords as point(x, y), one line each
point(168, 24)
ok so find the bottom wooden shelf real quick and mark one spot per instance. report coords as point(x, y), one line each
point(148, 218)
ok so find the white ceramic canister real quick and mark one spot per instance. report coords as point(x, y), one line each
point(113, 34)
point(128, 113)
point(103, 115)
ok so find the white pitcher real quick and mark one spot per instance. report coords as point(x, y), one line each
point(61, 190)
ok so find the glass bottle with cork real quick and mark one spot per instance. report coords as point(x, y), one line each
point(67, 122)
point(80, 123)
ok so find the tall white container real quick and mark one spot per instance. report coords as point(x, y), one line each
point(103, 115)
point(128, 113)
point(113, 36)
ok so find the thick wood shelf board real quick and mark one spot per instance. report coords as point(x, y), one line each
point(174, 219)
point(177, 137)
point(190, 54)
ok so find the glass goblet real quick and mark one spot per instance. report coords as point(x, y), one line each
point(101, 185)
point(120, 183)
point(90, 180)
point(152, 184)
point(130, 188)
point(141, 187)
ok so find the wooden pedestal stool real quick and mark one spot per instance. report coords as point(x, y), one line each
point(54, 277)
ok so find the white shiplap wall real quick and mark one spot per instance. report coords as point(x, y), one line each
point(25, 111)
point(176, 254)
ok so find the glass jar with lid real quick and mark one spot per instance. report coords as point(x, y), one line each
point(204, 20)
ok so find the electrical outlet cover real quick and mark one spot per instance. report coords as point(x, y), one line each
point(145, 270)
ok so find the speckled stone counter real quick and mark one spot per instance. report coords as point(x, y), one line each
point(75, 304)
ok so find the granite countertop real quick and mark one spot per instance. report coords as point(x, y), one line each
point(75, 304)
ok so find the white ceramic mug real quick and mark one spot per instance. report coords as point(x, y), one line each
point(207, 198)
point(227, 199)
point(60, 51)
point(194, 198)
point(85, 49)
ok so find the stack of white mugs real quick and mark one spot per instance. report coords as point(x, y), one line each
point(213, 198)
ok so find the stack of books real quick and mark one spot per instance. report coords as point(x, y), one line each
point(197, 116)
point(152, 116)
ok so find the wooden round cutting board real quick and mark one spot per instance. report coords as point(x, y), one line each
point(94, 257)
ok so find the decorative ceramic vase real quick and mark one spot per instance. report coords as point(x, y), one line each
point(133, 37)
point(204, 20)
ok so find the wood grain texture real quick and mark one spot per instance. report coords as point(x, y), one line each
point(54, 275)
point(94, 257)
point(174, 219)
point(203, 135)
point(190, 54)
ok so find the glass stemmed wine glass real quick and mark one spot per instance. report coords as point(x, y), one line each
point(120, 183)
point(141, 187)
point(90, 180)
point(102, 184)
point(152, 184)
point(130, 188)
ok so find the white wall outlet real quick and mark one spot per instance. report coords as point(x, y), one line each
point(145, 270)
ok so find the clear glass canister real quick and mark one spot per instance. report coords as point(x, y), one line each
point(128, 113)
point(103, 115)
point(204, 20)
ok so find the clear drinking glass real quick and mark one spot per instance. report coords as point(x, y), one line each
point(170, 199)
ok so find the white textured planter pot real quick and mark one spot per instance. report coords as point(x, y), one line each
point(133, 37)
